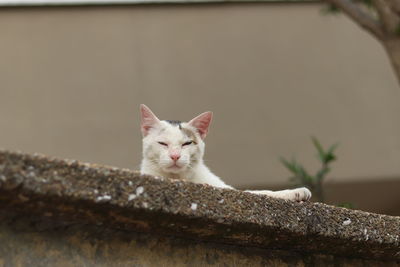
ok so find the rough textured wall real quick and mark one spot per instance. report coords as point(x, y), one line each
point(76, 213)
point(35, 243)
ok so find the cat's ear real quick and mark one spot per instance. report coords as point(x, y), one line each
point(149, 120)
point(202, 123)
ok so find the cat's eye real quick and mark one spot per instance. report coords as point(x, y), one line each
point(187, 143)
point(163, 144)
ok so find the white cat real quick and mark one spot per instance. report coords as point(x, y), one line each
point(175, 150)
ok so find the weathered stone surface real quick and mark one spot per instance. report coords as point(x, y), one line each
point(43, 198)
point(27, 244)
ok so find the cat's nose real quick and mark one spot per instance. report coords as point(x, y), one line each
point(174, 157)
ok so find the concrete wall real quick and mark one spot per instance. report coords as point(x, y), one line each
point(79, 245)
point(67, 213)
point(71, 80)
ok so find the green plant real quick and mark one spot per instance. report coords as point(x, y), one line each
point(314, 182)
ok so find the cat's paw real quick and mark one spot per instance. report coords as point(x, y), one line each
point(299, 194)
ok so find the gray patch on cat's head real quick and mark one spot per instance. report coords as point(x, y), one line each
point(190, 134)
point(175, 123)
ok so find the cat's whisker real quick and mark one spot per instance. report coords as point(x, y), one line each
point(190, 167)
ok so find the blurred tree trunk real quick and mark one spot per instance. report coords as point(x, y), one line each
point(381, 18)
point(393, 50)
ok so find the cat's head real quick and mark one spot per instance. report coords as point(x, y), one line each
point(173, 146)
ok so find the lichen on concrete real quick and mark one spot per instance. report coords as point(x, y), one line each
point(65, 192)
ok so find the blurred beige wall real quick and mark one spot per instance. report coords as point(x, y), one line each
point(71, 81)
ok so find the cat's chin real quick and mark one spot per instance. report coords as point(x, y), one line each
point(175, 169)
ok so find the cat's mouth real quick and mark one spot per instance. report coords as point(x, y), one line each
point(174, 167)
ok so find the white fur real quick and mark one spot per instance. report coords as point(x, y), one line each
point(157, 160)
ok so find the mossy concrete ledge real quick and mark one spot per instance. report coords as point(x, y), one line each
point(65, 212)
